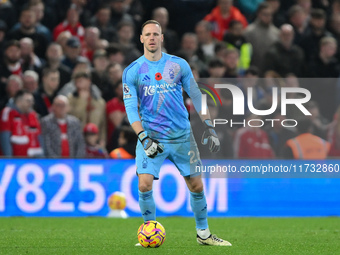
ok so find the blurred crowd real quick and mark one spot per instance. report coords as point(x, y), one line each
point(61, 65)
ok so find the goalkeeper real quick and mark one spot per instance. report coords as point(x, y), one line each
point(152, 87)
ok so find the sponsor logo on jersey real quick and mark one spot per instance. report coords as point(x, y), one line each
point(127, 96)
point(159, 88)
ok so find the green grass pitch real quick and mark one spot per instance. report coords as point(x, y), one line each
point(117, 236)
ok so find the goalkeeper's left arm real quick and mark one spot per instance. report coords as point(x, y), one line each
point(191, 88)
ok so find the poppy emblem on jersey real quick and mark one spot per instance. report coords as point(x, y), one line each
point(158, 76)
point(126, 88)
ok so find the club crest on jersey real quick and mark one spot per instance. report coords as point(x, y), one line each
point(158, 76)
point(172, 74)
point(126, 88)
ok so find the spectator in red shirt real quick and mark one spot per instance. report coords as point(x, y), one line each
point(93, 148)
point(115, 112)
point(29, 60)
point(71, 24)
point(222, 15)
point(20, 128)
point(92, 35)
point(62, 132)
point(252, 142)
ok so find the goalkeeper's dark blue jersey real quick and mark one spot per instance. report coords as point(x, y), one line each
point(156, 88)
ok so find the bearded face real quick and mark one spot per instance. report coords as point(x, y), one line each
point(28, 19)
point(12, 54)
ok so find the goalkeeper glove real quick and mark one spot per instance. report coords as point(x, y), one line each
point(150, 146)
point(210, 136)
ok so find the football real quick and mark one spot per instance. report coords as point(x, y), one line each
point(151, 234)
point(117, 201)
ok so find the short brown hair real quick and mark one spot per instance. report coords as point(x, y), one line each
point(318, 14)
point(294, 10)
point(78, 75)
point(151, 21)
point(11, 43)
point(230, 51)
point(262, 6)
point(124, 24)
